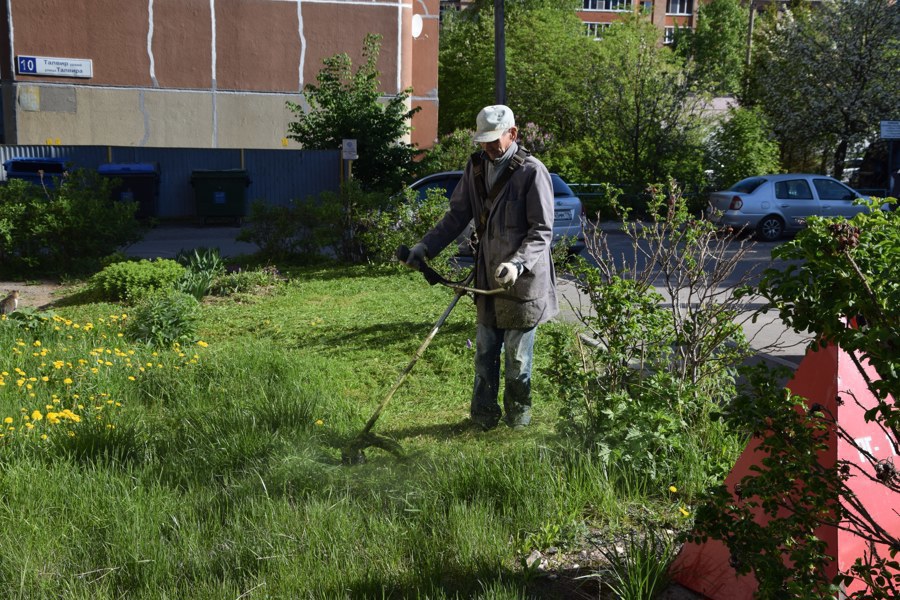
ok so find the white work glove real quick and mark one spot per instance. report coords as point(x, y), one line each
point(507, 273)
point(416, 255)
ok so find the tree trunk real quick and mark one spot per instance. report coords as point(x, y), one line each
point(840, 156)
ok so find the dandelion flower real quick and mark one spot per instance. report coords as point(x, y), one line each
point(67, 381)
point(684, 512)
point(320, 422)
point(673, 489)
point(8, 420)
point(43, 436)
point(36, 415)
point(202, 344)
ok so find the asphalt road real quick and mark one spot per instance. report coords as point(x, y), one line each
point(771, 340)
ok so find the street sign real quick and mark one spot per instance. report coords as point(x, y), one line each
point(890, 130)
point(55, 67)
point(348, 150)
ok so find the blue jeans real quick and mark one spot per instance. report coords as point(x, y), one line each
point(519, 357)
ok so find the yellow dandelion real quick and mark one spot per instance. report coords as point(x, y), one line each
point(36, 415)
point(37, 343)
point(8, 420)
point(29, 425)
point(45, 379)
point(673, 489)
point(202, 344)
point(131, 378)
point(43, 436)
point(67, 381)
point(684, 512)
point(320, 422)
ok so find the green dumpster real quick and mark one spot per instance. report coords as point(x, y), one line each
point(220, 194)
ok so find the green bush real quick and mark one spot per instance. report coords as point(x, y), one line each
point(127, 281)
point(64, 229)
point(163, 317)
point(203, 266)
point(244, 281)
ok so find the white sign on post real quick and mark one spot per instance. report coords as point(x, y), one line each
point(348, 150)
point(890, 130)
point(55, 67)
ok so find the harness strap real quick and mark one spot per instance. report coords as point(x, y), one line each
point(516, 161)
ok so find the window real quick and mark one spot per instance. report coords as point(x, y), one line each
point(793, 189)
point(607, 5)
point(679, 7)
point(832, 190)
point(747, 186)
point(595, 30)
point(669, 34)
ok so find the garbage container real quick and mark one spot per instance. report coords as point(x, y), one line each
point(138, 182)
point(220, 194)
point(46, 171)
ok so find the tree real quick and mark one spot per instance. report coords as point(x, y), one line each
point(546, 53)
point(718, 46)
point(644, 114)
point(826, 76)
point(345, 105)
point(741, 146)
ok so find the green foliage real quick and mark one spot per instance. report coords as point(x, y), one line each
point(203, 266)
point(641, 383)
point(64, 229)
point(551, 92)
point(345, 105)
point(742, 146)
point(826, 78)
point(404, 222)
point(450, 153)
point(245, 281)
point(126, 281)
point(641, 569)
point(718, 46)
point(163, 317)
point(841, 284)
point(791, 488)
point(644, 115)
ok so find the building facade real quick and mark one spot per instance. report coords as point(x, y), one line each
point(197, 73)
point(668, 15)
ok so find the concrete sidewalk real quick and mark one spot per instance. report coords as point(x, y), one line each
point(166, 241)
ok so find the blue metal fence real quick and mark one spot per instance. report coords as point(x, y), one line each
point(276, 176)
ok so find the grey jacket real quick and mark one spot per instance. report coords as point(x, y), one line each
point(519, 229)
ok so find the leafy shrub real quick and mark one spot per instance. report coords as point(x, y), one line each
point(126, 281)
point(244, 281)
point(163, 317)
point(203, 266)
point(64, 229)
point(404, 222)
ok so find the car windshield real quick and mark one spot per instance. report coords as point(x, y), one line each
point(747, 186)
point(560, 188)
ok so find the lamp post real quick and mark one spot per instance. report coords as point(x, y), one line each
point(499, 54)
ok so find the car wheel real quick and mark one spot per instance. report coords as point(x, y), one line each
point(770, 228)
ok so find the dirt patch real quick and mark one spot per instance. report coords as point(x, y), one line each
point(36, 294)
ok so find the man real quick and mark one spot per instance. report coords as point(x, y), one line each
point(509, 195)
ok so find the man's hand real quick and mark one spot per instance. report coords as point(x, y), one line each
point(416, 255)
point(507, 273)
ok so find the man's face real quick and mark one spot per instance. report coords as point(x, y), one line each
point(498, 147)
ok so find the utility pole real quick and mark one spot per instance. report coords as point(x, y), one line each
point(499, 54)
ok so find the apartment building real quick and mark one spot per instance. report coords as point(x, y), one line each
point(196, 73)
point(668, 15)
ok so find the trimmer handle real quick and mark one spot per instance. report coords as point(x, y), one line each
point(431, 276)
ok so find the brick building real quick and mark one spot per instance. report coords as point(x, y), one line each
point(196, 73)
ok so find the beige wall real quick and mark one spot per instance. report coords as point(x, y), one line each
point(189, 76)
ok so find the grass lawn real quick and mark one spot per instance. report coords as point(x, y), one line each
point(213, 471)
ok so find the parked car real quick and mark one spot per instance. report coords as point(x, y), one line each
point(567, 223)
point(774, 204)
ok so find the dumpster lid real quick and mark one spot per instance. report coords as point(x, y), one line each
point(32, 164)
point(128, 168)
point(217, 173)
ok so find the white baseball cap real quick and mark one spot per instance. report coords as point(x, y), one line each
point(492, 121)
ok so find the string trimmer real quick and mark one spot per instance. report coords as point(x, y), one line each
point(352, 454)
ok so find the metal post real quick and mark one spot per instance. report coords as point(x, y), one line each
point(499, 54)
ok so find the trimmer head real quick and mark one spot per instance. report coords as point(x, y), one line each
point(353, 453)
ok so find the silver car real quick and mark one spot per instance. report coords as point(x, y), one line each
point(567, 222)
point(774, 204)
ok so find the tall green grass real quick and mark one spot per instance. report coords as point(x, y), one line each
point(213, 471)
